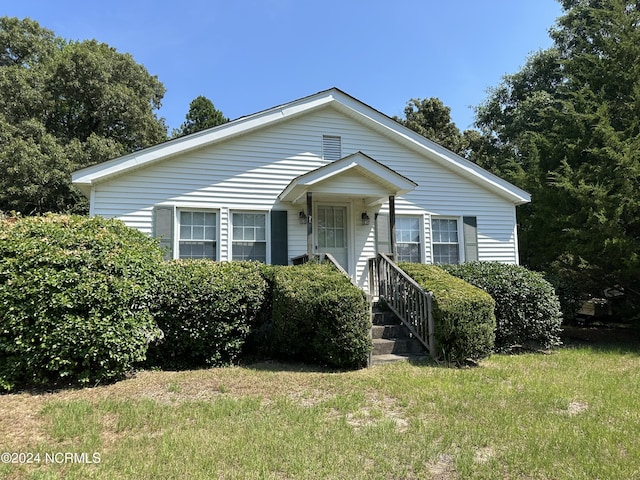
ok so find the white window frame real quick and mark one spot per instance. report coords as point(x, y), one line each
point(267, 232)
point(178, 230)
point(459, 231)
point(420, 243)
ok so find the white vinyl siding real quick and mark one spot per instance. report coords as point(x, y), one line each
point(197, 235)
point(247, 173)
point(408, 240)
point(249, 236)
point(446, 240)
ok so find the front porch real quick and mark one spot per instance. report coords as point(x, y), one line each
point(340, 204)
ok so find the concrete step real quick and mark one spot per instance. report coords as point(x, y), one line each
point(393, 357)
point(382, 346)
point(389, 331)
point(384, 317)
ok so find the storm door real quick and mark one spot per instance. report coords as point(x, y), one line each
point(331, 231)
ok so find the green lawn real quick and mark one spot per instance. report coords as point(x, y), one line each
point(572, 414)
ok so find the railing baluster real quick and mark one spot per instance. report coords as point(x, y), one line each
point(406, 298)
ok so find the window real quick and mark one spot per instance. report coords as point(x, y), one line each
point(197, 235)
point(408, 239)
point(249, 237)
point(331, 147)
point(446, 245)
point(331, 225)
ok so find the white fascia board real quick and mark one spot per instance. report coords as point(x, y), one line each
point(95, 173)
point(374, 171)
point(437, 152)
point(397, 181)
point(321, 174)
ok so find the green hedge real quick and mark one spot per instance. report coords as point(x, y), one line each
point(527, 308)
point(74, 296)
point(205, 311)
point(463, 314)
point(319, 317)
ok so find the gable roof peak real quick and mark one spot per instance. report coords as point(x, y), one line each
point(342, 101)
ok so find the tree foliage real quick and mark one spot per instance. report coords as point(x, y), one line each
point(202, 114)
point(432, 119)
point(65, 105)
point(566, 127)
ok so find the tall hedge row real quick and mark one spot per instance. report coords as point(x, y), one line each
point(74, 298)
point(319, 317)
point(527, 307)
point(463, 314)
point(205, 311)
point(86, 300)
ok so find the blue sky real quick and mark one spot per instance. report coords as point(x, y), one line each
point(248, 55)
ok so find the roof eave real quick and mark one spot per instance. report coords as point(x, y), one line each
point(89, 176)
point(394, 182)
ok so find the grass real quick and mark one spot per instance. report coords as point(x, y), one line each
point(571, 414)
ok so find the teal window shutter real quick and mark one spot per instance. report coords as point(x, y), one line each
point(470, 233)
point(279, 238)
point(163, 217)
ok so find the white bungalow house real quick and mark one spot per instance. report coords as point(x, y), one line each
point(322, 174)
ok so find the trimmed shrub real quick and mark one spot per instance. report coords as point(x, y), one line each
point(205, 311)
point(319, 317)
point(463, 314)
point(74, 295)
point(527, 308)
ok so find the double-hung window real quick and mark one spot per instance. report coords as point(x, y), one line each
point(408, 239)
point(249, 236)
point(197, 235)
point(446, 241)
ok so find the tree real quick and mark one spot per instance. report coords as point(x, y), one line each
point(24, 42)
point(567, 127)
point(202, 114)
point(432, 119)
point(63, 106)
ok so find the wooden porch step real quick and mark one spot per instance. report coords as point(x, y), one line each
point(392, 341)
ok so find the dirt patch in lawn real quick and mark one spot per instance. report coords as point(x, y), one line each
point(21, 421)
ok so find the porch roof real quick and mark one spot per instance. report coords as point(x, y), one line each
point(354, 176)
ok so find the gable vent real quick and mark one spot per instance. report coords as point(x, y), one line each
point(331, 147)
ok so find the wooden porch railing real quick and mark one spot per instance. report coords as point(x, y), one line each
point(300, 259)
point(405, 298)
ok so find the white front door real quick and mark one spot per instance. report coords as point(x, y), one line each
point(331, 232)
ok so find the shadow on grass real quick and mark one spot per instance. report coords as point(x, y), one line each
point(283, 366)
point(603, 338)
